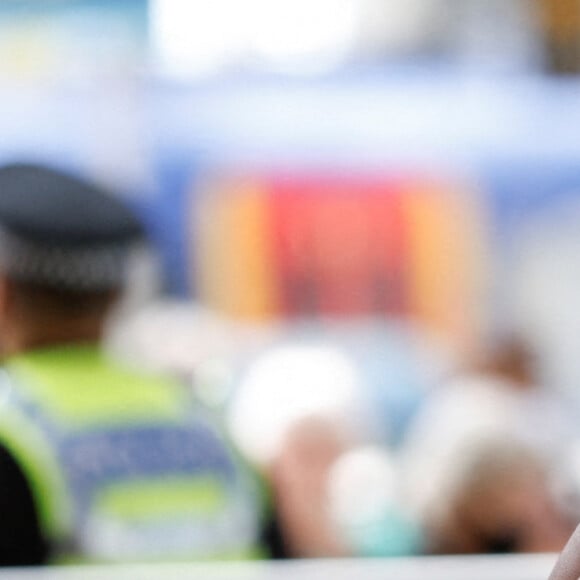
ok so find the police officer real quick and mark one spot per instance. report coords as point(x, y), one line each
point(97, 462)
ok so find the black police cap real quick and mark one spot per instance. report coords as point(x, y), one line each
point(46, 205)
point(60, 230)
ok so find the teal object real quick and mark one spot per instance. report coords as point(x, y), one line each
point(388, 533)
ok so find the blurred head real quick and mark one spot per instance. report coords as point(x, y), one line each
point(502, 502)
point(64, 245)
point(311, 445)
point(511, 357)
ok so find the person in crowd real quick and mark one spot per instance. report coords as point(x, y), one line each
point(299, 477)
point(447, 457)
point(98, 462)
point(501, 502)
point(295, 412)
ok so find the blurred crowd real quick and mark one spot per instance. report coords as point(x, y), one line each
point(375, 441)
point(162, 431)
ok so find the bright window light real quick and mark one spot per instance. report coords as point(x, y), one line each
point(304, 34)
point(196, 37)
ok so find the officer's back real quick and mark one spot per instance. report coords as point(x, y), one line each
point(97, 461)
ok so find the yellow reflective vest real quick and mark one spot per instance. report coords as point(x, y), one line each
point(121, 465)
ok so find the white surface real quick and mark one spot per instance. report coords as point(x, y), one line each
point(535, 567)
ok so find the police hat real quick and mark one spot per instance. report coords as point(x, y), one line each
point(58, 230)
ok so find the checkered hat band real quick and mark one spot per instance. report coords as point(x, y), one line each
point(94, 267)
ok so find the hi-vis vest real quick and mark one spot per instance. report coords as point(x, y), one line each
point(120, 465)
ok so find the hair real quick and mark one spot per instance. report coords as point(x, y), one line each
point(42, 300)
point(494, 471)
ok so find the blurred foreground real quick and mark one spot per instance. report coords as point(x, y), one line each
point(474, 568)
